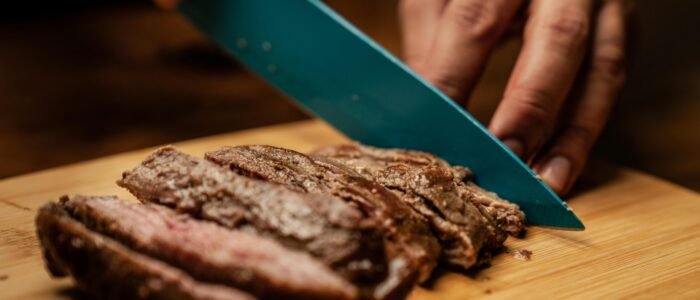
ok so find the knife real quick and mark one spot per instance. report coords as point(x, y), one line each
point(309, 52)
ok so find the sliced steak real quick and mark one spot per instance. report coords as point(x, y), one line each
point(434, 189)
point(506, 215)
point(209, 252)
point(407, 235)
point(325, 226)
point(108, 270)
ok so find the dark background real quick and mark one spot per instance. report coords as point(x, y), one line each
point(80, 79)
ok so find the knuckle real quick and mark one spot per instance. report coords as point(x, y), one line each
point(534, 105)
point(477, 18)
point(609, 63)
point(568, 30)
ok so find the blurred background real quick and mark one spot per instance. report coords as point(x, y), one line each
point(84, 79)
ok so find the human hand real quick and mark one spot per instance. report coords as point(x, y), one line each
point(563, 86)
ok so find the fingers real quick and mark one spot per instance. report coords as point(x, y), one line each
point(419, 20)
point(564, 161)
point(554, 44)
point(466, 34)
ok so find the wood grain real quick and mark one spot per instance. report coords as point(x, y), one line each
point(641, 240)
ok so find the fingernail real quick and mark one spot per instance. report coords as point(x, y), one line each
point(516, 146)
point(556, 172)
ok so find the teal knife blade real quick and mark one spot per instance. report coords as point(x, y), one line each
point(316, 57)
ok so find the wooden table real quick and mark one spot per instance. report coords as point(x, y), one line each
point(642, 238)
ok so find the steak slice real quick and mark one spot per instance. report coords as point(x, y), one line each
point(434, 189)
point(506, 215)
point(209, 252)
point(327, 227)
point(407, 235)
point(108, 270)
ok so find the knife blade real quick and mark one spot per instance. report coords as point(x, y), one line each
point(310, 53)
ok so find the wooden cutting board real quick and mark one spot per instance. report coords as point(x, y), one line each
point(642, 238)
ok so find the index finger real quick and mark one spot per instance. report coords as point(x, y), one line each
point(556, 39)
point(468, 31)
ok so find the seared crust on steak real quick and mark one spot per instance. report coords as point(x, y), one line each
point(464, 223)
point(108, 270)
point(327, 227)
point(209, 252)
point(406, 234)
point(261, 222)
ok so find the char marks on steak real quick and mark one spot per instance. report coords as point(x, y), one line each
point(108, 270)
point(407, 235)
point(209, 252)
point(465, 218)
point(327, 227)
point(260, 222)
